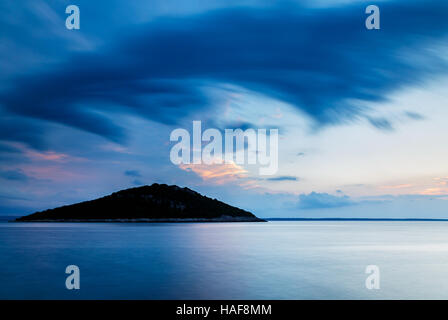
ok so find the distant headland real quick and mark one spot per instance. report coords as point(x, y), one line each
point(155, 203)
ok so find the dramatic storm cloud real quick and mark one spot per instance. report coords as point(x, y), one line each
point(323, 61)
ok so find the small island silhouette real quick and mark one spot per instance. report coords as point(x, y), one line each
point(155, 203)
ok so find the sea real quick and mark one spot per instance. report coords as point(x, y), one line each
point(272, 260)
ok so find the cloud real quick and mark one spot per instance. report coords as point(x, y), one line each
point(115, 148)
point(283, 178)
point(6, 148)
point(414, 115)
point(440, 188)
point(217, 173)
point(398, 186)
point(48, 156)
point(321, 60)
point(381, 123)
point(14, 175)
point(316, 200)
point(137, 182)
point(19, 129)
point(132, 173)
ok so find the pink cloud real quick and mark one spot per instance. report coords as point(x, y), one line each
point(54, 173)
point(115, 148)
point(45, 155)
point(435, 191)
point(221, 173)
point(398, 186)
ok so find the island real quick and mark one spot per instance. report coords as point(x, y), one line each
point(154, 203)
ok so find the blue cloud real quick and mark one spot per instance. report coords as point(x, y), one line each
point(283, 178)
point(414, 115)
point(380, 123)
point(316, 200)
point(13, 175)
point(320, 60)
point(132, 173)
point(8, 149)
point(21, 129)
point(137, 182)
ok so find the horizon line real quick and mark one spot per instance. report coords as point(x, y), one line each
point(356, 219)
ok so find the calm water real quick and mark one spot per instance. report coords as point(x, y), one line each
point(275, 260)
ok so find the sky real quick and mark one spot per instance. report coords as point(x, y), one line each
point(361, 113)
